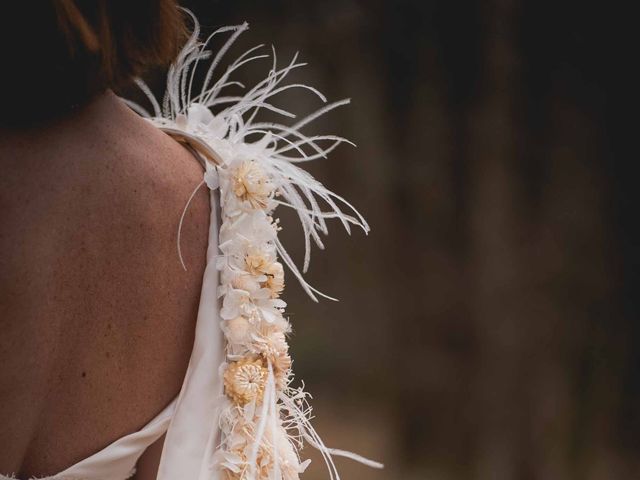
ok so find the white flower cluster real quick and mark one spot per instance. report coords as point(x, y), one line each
point(251, 281)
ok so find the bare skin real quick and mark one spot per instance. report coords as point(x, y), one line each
point(97, 315)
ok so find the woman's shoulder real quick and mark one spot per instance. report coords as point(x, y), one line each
point(97, 312)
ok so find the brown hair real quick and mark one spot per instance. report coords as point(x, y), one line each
point(70, 50)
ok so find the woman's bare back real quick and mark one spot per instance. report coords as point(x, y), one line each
point(97, 315)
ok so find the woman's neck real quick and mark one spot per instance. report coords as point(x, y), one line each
point(104, 119)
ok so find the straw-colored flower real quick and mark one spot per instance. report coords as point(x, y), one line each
point(275, 279)
point(251, 184)
point(274, 348)
point(257, 262)
point(244, 380)
point(282, 370)
point(245, 282)
point(237, 330)
point(273, 343)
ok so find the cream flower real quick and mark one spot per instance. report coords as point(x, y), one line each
point(275, 279)
point(238, 330)
point(257, 261)
point(270, 309)
point(252, 185)
point(232, 463)
point(244, 380)
point(245, 282)
point(273, 343)
point(235, 303)
point(282, 370)
point(255, 226)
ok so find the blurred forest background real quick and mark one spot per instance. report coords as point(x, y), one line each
point(488, 326)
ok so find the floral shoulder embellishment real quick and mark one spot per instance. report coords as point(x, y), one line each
point(265, 421)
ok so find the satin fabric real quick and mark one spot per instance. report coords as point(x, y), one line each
point(190, 440)
point(191, 420)
point(118, 460)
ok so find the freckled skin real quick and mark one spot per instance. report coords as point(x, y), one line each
point(97, 315)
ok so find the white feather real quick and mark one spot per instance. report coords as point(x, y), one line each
point(226, 126)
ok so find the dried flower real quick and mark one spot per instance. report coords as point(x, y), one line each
point(257, 262)
point(274, 348)
point(275, 279)
point(281, 370)
point(237, 330)
point(245, 282)
point(251, 184)
point(244, 380)
point(273, 343)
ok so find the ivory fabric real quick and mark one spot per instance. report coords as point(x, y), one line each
point(190, 421)
point(194, 425)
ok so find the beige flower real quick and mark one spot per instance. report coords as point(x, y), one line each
point(264, 463)
point(244, 282)
point(238, 330)
point(273, 347)
point(251, 184)
point(281, 370)
point(276, 343)
point(257, 262)
point(275, 279)
point(244, 380)
point(230, 475)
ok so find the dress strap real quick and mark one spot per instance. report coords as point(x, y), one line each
point(118, 460)
point(193, 431)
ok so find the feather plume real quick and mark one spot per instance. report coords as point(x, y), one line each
point(258, 167)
